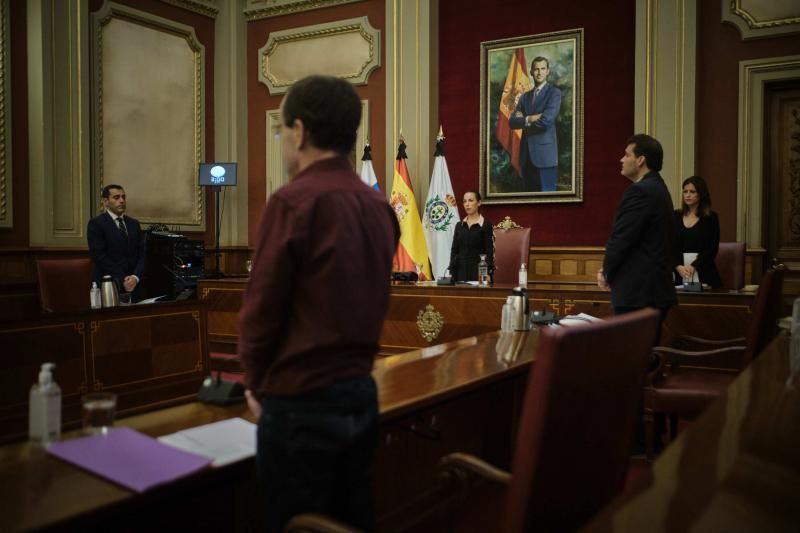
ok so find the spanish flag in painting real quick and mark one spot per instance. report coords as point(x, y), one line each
point(412, 253)
point(517, 84)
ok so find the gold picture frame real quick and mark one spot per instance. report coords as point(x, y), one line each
point(531, 144)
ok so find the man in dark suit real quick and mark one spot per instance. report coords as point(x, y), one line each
point(637, 261)
point(536, 115)
point(115, 241)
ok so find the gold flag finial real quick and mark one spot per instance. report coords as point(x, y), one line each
point(441, 134)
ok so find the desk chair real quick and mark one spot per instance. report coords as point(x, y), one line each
point(686, 393)
point(573, 442)
point(730, 264)
point(64, 284)
point(511, 248)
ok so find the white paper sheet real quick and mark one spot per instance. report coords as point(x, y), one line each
point(223, 442)
point(688, 259)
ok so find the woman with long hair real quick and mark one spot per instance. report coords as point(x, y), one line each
point(696, 231)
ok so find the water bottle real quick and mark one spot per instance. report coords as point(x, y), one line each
point(483, 271)
point(523, 275)
point(507, 319)
point(94, 296)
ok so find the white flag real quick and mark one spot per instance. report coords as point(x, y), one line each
point(367, 172)
point(441, 213)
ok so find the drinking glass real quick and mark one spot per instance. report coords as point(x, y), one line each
point(99, 410)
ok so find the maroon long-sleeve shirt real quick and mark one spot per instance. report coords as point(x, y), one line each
point(319, 286)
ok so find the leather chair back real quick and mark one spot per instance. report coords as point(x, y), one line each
point(730, 264)
point(766, 312)
point(581, 405)
point(64, 284)
point(511, 249)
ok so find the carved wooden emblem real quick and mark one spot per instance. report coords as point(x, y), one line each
point(430, 323)
point(507, 224)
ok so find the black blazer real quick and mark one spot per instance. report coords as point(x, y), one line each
point(638, 260)
point(111, 252)
point(469, 242)
point(707, 229)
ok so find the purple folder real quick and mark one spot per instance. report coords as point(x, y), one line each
point(129, 458)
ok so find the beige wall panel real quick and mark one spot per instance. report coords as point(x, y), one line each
point(762, 18)
point(348, 49)
point(149, 93)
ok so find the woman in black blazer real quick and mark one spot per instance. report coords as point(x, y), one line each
point(473, 237)
point(696, 230)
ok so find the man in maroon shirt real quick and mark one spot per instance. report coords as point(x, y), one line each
point(313, 312)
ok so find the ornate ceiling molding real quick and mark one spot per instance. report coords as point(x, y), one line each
point(261, 9)
point(348, 49)
point(207, 8)
point(757, 19)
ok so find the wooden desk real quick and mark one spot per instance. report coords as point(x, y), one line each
point(460, 396)
point(736, 468)
point(151, 356)
point(466, 310)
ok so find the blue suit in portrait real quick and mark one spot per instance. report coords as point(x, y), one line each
point(113, 253)
point(539, 151)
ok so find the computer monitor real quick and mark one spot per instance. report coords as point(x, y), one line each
point(217, 174)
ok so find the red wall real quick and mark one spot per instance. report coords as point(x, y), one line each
point(609, 33)
point(259, 101)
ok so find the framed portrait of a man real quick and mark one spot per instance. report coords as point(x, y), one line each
point(531, 146)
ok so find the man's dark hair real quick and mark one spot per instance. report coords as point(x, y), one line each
point(107, 189)
point(650, 148)
point(329, 109)
point(539, 59)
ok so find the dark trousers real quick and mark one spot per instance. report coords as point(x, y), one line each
point(314, 453)
point(621, 310)
point(660, 423)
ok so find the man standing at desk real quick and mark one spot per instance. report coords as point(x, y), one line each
point(312, 314)
point(637, 261)
point(115, 242)
point(536, 116)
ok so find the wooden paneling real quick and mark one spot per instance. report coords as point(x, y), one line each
point(466, 311)
point(460, 396)
point(149, 355)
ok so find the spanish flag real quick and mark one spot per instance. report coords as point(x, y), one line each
point(412, 253)
point(517, 84)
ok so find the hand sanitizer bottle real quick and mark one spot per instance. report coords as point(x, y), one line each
point(44, 414)
point(95, 299)
point(523, 275)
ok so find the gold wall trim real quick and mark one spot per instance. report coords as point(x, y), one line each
point(58, 122)
point(412, 89)
point(753, 75)
point(258, 9)
point(276, 175)
point(6, 181)
point(207, 8)
point(348, 49)
point(664, 101)
point(782, 17)
point(157, 153)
